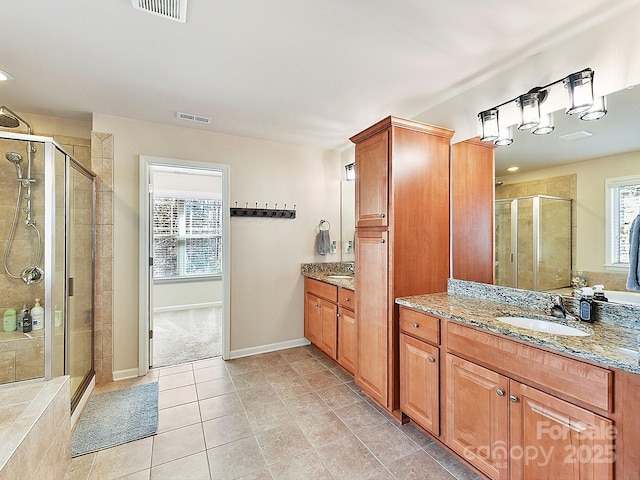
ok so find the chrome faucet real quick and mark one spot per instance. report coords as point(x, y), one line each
point(558, 309)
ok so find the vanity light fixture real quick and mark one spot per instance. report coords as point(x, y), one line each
point(505, 137)
point(597, 110)
point(579, 88)
point(545, 126)
point(350, 170)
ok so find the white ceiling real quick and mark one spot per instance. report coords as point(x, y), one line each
point(298, 71)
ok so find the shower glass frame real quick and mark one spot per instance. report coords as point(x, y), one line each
point(52, 210)
point(537, 240)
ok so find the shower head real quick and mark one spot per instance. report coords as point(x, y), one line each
point(15, 158)
point(10, 119)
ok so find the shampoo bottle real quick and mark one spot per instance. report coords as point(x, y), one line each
point(9, 320)
point(587, 306)
point(20, 315)
point(26, 321)
point(598, 293)
point(37, 316)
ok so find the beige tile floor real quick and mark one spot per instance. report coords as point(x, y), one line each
point(292, 414)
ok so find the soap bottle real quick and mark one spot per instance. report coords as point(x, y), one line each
point(57, 316)
point(9, 320)
point(598, 293)
point(37, 316)
point(587, 306)
point(20, 315)
point(26, 321)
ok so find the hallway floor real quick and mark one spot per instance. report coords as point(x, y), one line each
point(181, 336)
point(292, 414)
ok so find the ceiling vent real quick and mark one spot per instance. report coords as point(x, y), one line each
point(194, 118)
point(172, 9)
point(575, 135)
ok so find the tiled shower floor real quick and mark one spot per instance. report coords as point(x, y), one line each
point(292, 414)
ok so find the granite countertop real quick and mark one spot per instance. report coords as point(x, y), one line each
point(326, 277)
point(609, 344)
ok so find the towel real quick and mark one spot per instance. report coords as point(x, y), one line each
point(633, 279)
point(323, 242)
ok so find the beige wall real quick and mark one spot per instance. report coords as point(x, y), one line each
point(590, 201)
point(266, 285)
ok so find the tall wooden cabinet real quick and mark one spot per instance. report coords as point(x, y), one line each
point(402, 239)
point(472, 211)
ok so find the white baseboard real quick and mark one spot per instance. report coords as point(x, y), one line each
point(174, 308)
point(125, 374)
point(272, 347)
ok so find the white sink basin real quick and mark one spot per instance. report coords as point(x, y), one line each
point(543, 326)
point(339, 276)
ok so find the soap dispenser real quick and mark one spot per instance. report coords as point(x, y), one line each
point(587, 306)
point(37, 316)
point(598, 293)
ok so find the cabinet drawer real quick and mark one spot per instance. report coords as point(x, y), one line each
point(347, 298)
point(420, 325)
point(585, 383)
point(321, 289)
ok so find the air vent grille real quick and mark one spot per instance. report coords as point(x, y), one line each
point(172, 9)
point(193, 118)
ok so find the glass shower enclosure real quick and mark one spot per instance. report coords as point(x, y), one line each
point(533, 244)
point(47, 226)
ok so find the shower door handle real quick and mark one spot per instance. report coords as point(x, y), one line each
point(70, 287)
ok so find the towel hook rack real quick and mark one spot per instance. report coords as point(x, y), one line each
point(265, 212)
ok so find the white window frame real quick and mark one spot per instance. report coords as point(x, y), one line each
point(611, 216)
point(186, 195)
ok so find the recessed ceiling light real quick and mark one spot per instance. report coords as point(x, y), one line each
point(5, 76)
point(513, 169)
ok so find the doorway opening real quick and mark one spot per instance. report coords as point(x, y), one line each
point(186, 278)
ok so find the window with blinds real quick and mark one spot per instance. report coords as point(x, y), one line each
point(624, 201)
point(187, 237)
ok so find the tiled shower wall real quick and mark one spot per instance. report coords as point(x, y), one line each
point(102, 166)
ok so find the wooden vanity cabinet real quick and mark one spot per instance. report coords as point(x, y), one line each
point(511, 430)
point(402, 240)
point(347, 330)
point(321, 315)
point(420, 369)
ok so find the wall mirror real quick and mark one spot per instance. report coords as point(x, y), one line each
point(574, 161)
point(347, 220)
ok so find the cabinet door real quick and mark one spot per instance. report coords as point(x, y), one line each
point(551, 438)
point(329, 314)
point(372, 173)
point(313, 319)
point(420, 382)
point(372, 314)
point(477, 422)
point(347, 339)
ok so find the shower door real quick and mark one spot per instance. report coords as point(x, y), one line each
point(80, 254)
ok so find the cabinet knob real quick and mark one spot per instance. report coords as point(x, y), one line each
point(338, 315)
point(347, 299)
point(500, 392)
point(431, 359)
point(382, 240)
point(513, 399)
point(318, 305)
point(382, 215)
point(416, 325)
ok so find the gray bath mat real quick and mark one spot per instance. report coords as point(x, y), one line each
point(114, 418)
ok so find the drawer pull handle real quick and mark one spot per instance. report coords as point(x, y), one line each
point(500, 392)
point(431, 359)
point(513, 399)
point(382, 215)
point(416, 325)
